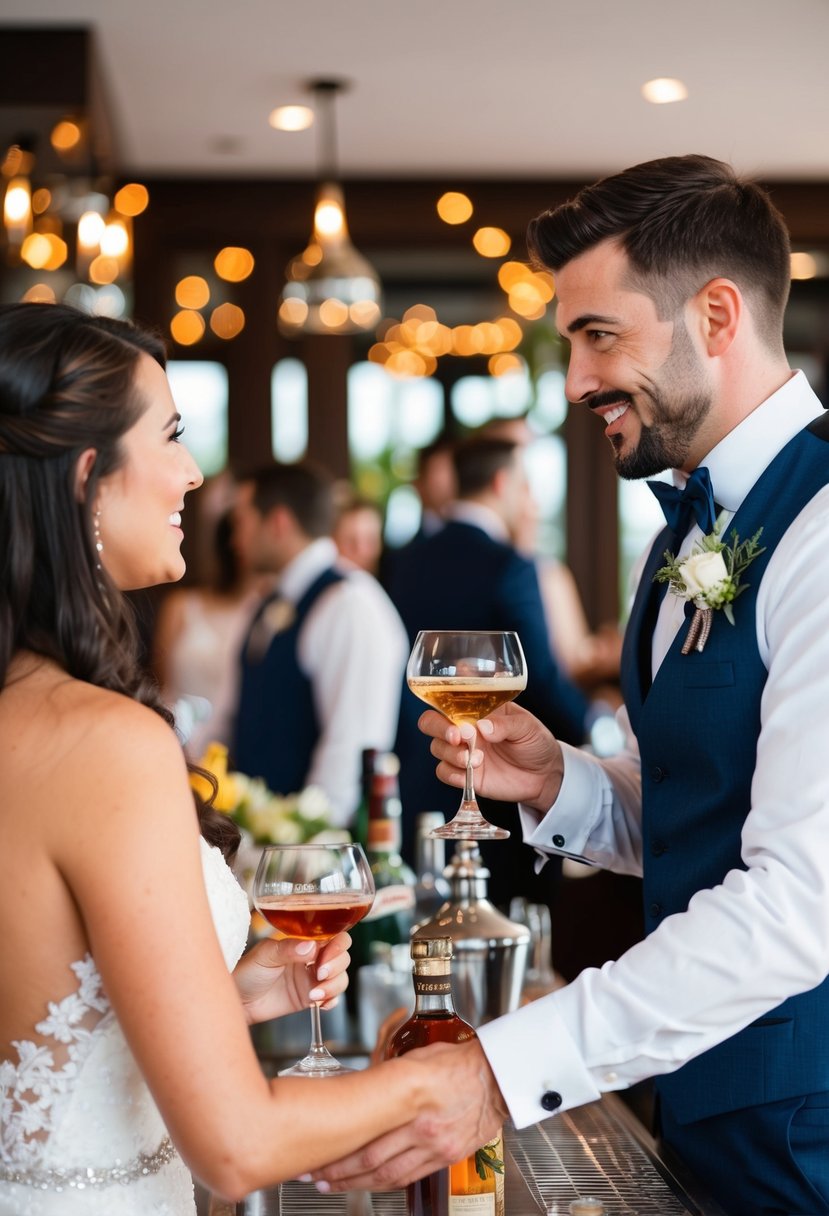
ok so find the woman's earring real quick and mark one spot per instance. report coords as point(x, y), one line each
point(99, 547)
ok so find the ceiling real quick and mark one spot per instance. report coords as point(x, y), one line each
point(461, 88)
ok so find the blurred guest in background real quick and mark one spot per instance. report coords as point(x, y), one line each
point(435, 483)
point(358, 533)
point(591, 659)
point(469, 575)
point(198, 633)
point(320, 669)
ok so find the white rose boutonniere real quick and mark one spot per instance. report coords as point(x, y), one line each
point(709, 578)
point(705, 576)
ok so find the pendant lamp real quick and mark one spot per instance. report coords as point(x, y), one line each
point(330, 287)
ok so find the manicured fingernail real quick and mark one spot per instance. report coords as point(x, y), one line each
point(304, 1178)
point(485, 727)
point(322, 972)
point(323, 1187)
point(467, 731)
point(305, 947)
point(317, 994)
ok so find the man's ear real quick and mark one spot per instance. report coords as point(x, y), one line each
point(720, 308)
point(500, 482)
point(280, 519)
point(83, 468)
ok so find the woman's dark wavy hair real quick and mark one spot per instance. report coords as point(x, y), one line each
point(681, 220)
point(67, 384)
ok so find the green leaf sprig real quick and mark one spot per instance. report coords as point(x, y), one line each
point(487, 1162)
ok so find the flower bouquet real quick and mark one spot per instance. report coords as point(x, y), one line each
point(263, 816)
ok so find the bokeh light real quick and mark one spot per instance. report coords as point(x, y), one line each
point(187, 327)
point(227, 321)
point(233, 263)
point(192, 292)
point(492, 242)
point(454, 208)
point(132, 199)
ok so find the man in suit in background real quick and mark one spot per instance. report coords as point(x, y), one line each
point(320, 669)
point(469, 575)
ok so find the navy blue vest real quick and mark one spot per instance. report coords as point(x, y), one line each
point(697, 725)
point(276, 723)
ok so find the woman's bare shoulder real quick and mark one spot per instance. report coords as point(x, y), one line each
point(66, 723)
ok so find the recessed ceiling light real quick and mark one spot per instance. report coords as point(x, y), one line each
point(291, 118)
point(664, 89)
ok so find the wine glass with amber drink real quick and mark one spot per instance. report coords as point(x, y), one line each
point(465, 676)
point(313, 892)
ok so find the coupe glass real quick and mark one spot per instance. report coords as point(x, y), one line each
point(466, 675)
point(312, 892)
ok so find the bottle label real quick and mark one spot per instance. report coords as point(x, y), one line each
point(464, 1205)
point(383, 834)
point(429, 986)
point(388, 900)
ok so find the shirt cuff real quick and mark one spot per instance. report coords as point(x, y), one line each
point(536, 1063)
point(566, 827)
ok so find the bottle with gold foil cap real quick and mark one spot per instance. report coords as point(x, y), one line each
point(475, 1184)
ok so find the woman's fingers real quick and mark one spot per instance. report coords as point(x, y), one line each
point(331, 971)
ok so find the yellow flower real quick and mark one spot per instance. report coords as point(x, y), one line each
point(214, 761)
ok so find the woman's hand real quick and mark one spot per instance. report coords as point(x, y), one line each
point(516, 758)
point(274, 977)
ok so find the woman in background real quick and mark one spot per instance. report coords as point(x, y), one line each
point(198, 633)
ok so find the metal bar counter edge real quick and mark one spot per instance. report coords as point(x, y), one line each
point(599, 1151)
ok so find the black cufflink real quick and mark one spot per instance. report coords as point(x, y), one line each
point(551, 1100)
point(558, 841)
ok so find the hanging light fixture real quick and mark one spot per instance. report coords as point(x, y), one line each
point(330, 287)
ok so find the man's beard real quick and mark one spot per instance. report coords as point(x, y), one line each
point(677, 417)
point(665, 443)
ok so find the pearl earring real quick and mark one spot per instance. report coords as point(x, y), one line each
point(99, 547)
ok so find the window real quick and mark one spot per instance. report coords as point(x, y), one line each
point(388, 420)
point(200, 392)
point(289, 410)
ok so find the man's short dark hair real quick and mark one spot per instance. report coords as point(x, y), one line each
point(478, 460)
point(682, 221)
point(305, 488)
point(443, 443)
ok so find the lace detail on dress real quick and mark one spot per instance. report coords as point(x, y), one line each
point(76, 1116)
point(31, 1091)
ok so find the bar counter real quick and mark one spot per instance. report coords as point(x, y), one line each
point(600, 1150)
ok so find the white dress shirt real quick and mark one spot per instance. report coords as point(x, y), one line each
point(479, 515)
point(762, 935)
point(353, 648)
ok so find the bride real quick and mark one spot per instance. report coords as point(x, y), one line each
point(125, 1058)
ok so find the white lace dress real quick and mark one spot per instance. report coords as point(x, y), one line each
point(80, 1134)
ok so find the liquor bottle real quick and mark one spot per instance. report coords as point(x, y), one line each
point(392, 914)
point(369, 761)
point(432, 889)
point(476, 1184)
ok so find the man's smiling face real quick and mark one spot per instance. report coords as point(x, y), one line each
point(641, 374)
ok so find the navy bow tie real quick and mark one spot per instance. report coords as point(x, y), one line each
point(694, 502)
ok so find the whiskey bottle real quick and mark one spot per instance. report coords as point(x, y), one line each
point(476, 1184)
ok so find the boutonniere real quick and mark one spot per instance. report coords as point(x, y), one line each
point(709, 578)
point(278, 616)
